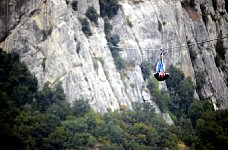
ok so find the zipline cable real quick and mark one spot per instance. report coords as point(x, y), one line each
point(204, 41)
point(152, 49)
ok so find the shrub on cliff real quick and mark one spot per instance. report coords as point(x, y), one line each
point(91, 13)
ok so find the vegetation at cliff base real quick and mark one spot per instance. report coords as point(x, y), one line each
point(43, 119)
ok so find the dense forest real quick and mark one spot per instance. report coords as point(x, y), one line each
point(43, 119)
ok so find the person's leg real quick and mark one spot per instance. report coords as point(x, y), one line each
point(166, 76)
point(156, 75)
point(159, 67)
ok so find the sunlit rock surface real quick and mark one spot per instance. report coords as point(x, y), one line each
point(49, 38)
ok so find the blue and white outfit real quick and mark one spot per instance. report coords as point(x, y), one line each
point(160, 67)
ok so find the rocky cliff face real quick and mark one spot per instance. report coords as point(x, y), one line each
point(60, 41)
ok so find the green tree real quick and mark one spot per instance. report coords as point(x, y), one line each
point(111, 146)
point(143, 112)
point(81, 140)
point(198, 109)
point(22, 95)
point(80, 107)
point(177, 76)
point(58, 93)
point(8, 114)
point(56, 140)
point(185, 93)
point(211, 129)
point(161, 97)
point(60, 109)
point(16, 80)
point(115, 134)
point(200, 80)
point(47, 96)
point(181, 92)
point(142, 133)
point(146, 69)
point(163, 102)
point(44, 97)
point(17, 89)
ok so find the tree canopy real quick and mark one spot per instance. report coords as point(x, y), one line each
point(43, 119)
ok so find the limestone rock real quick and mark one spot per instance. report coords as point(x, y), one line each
point(167, 118)
point(49, 38)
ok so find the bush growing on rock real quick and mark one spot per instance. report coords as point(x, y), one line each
point(109, 8)
point(85, 27)
point(74, 5)
point(91, 13)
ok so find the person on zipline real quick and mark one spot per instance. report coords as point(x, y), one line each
point(160, 74)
